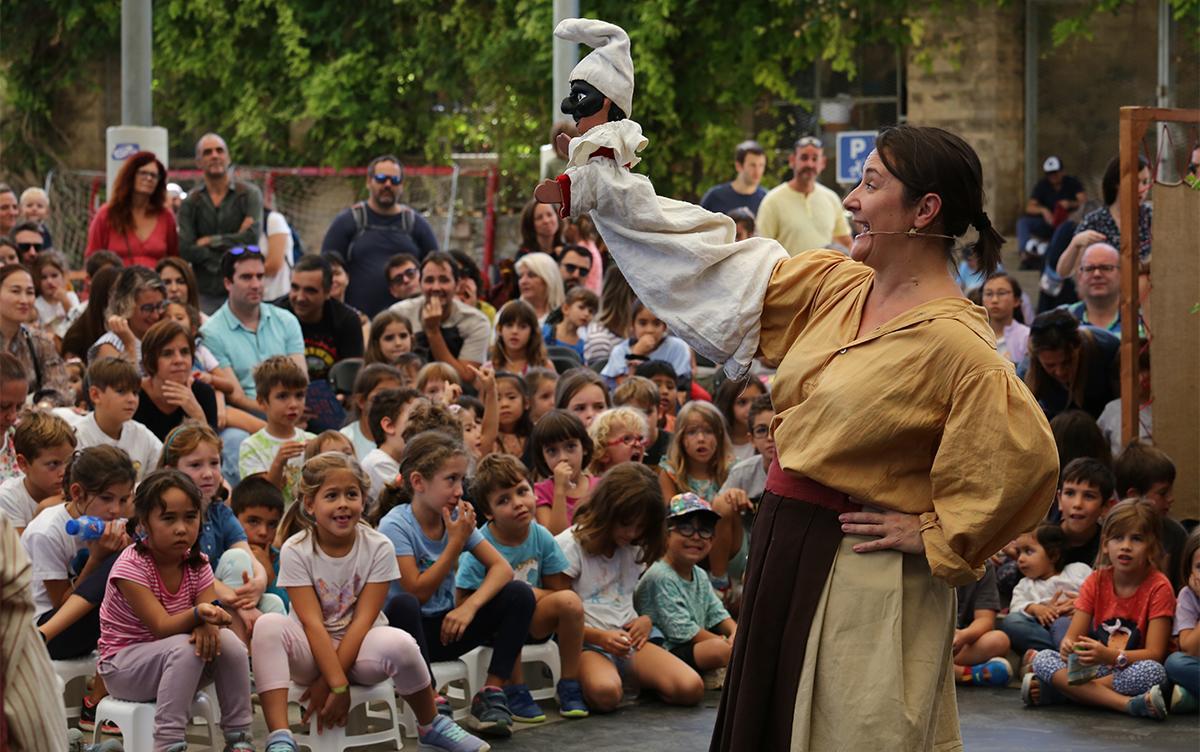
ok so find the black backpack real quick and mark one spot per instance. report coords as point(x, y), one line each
point(408, 220)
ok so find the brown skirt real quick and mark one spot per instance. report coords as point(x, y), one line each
point(792, 548)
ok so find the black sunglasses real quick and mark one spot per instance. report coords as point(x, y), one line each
point(403, 276)
point(381, 179)
point(577, 271)
point(30, 246)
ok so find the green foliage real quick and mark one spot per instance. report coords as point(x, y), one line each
point(292, 82)
point(1079, 25)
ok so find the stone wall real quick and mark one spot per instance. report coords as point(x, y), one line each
point(973, 86)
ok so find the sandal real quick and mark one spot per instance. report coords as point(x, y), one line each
point(1047, 694)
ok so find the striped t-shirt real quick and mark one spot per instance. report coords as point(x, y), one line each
point(119, 625)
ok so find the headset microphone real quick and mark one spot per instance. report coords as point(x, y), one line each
point(911, 234)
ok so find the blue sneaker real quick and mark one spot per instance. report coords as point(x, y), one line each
point(490, 713)
point(447, 736)
point(521, 704)
point(570, 699)
point(281, 741)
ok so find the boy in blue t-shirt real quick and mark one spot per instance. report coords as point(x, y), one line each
point(502, 490)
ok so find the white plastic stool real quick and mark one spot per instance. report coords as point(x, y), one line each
point(136, 720)
point(444, 674)
point(340, 738)
point(70, 670)
point(544, 653)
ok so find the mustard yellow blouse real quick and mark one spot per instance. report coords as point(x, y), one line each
point(920, 415)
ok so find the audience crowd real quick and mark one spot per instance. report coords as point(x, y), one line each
point(344, 466)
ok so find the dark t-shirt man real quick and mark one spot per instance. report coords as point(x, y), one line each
point(337, 335)
point(723, 199)
point(383, 236)
point(161, 424)
point(1046, 195)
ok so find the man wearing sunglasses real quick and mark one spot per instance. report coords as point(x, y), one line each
point(574, 265)
point(216, 216)
point(29, 241)
point(369, 233)
point(403, 276)
point(802, 214)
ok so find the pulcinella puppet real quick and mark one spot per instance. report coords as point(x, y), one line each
point(666, 248)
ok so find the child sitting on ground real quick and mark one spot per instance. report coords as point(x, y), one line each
point(1113, 652)
point(1183, 666)
point(518, 346)
point(502, 491)
point(1143, 470)
point(542, 383)
point(578, 308)
point(1084, 492)
point(439, 383)
point(650, 341)
point(675, 593)
point(1043, 602)
point(641, 393)
point(562, 453)
point(978, 647)
point(278, 449)
point(618, 435)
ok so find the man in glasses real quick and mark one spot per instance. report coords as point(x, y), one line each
point(219, 214)
point(802, 214)
point(749, 162)
point(1098, 281)
point(403, 276)
point(371, 232)
point(574, 265)
point(29, 241)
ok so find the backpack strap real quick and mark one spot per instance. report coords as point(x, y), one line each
point(358, 210)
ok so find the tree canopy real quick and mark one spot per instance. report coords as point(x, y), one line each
point(292, 82)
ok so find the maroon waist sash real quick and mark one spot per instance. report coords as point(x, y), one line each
point(794, 486)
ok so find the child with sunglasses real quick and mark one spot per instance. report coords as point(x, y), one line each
point(677, 597)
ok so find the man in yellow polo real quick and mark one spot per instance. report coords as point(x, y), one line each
point(802, 214)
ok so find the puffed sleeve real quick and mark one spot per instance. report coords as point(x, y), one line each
point(993, 475)
point(791, 296)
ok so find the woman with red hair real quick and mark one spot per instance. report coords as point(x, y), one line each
point(136, 223)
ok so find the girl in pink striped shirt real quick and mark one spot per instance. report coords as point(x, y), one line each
point(161, 635)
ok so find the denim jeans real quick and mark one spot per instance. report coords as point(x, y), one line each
point(1026, 632)
point(1184, 670)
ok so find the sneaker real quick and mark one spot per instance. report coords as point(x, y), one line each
point(521, 704)
point(445, 735)
point(178, 747)
point(993, 673)
point(490, 713)
point(570, 699)
point(444, 708)
point(1182, 701)
point(239, 741)
point(87, 719)
point(281, 741)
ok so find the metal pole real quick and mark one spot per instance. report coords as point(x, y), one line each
point(1031, 94)
point(1164, 53)
point(566, 55)
point(136, 51)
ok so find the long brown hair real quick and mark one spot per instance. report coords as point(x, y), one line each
point(718, 466)
point(88, 328)
point(529, 239)
point(1058, 330)
point(519, 312)
point(185, 271)
point(1133, 515)
point(120, 204)
point(627, 494)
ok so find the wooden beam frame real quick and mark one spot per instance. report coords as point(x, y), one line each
point(1135, 121)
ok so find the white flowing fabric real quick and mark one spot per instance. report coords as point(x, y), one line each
point(680, 259)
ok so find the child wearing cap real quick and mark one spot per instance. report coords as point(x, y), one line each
point(676, 595)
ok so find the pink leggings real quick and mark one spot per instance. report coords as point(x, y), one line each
point(282, 655)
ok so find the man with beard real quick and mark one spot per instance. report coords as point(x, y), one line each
point(371, 232)
point(802, 214)
point(447, 329)
point(217, 215)
point(331, 329)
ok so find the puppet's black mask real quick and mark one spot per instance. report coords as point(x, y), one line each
point(585, 100)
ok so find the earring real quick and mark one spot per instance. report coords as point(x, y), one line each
point(912, 232)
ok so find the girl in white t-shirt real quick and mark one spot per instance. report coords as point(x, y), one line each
point(337, 572)
point(616, 535)
point(56, 303)
point(162, 632)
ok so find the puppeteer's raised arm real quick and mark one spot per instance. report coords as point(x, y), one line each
point(680, 259)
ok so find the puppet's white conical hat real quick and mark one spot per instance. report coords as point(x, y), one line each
point(608, 66)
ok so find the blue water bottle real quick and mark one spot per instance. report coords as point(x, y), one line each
point(87, 527)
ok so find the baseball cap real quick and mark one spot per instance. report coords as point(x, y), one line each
point(1052, 164)
point(689, 503)
point(176, 190)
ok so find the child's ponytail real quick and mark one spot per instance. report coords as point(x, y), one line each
point(424, 454)
point(95, 469)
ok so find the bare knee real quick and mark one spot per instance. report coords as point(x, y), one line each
point(567, 606)
point(684, 689)
point(603, 696)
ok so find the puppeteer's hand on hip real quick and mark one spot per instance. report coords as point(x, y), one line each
point(891, 531)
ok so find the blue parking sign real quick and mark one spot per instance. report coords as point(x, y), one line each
point(852, 150)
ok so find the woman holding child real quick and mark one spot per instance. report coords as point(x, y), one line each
point(900, 433)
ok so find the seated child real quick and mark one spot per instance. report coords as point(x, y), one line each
point(640, 392)
point(1143, 470)
point(618, 435)
point(618, 532)
point(583, 392)
point(1085, 490)
point(1113, 652)
point(562, 453)
point(578, 308)
point(44, 443)
point(282, 387)
point(258, 505)
point(1183, 666)
point(371, 380)
point(502, 491)
point(1043, 602)
point(161, 635)
point(542, 383)
point(979, 647)
point(650, 341)
point(429, 526)
point(329, 441)
point(439, 383)
point(675, 593)
point(664, 377)
point(387, 415)
point(113, 388)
